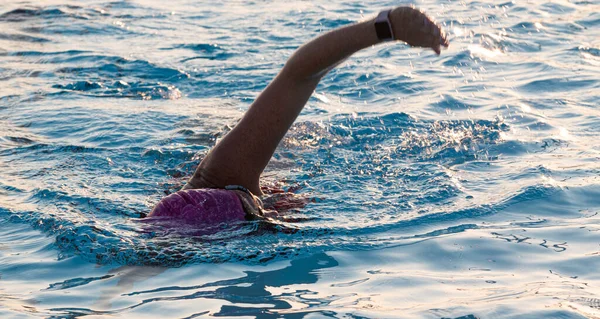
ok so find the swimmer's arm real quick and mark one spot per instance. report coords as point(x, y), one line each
point(241, 156)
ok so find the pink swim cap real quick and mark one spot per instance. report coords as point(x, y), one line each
point(201, 206)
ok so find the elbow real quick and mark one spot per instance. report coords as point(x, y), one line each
point(298, 70)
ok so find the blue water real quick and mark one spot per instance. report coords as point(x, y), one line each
point(460, 186)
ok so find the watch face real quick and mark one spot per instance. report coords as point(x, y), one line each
point(383, 31)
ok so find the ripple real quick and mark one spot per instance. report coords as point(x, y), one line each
point(75, 282)
point(23, 14)
point(18, 140)
point(70, 29)
point(453, 103)
point(113, 66)
point(590, 50)
point(22, 38)
point(140, 90)
point(44, 54)
point(558, 85)
point(208, 51)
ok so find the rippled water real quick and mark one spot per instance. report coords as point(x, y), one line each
point(459, 186)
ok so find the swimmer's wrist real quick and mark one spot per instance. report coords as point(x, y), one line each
point(397, 16)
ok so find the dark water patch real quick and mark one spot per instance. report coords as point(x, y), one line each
point(533, 193)
point(70, 29)
point(554, 8)
point(76, 282)
point(547, 104)
point(78, 57)
point(460, 59)
point(17, 140)
point(23, 14)
point(144, 16)
point(589, 124)
point(79, 86)
point(75, 313)
point(123, 4)
point(557, 85)
point(116, 67)
point(54, 14)
point(6, 189)
point(38, 54)
point(212, 57)
point(8, 100)
point(282, 39)
point(548, 145)
point(127, 16)
point(534, 123)
point(454, 103)
point(10, 74)
point(201, 16)
point(565, 28)
point(43, 148)
point(122, 89)
point(590, 50)
point(256, 40)
point(23, 38)
point(405, 85)
point(524, 27)
point(530, 172)
point(333, 23)
point(591, 21)
point(199, 47)
point(513, 6)
point(513, 148)
point(464, 317)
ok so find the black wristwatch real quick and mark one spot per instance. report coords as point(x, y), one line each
point(383, 26)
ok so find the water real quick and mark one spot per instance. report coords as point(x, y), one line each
point(460, 186)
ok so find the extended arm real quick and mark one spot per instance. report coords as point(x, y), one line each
point(241, 156)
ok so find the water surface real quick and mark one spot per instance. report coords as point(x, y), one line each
point(459, 186)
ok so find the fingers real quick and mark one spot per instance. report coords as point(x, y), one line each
point(433, 35)
point(442, 36)
point(417, 29)
point(430, 33)
point(438, 38)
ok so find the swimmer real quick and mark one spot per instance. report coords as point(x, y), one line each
point(226, 184)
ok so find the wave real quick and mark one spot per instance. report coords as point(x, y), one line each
point(405, 157)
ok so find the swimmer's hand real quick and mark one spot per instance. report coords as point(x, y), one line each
point(417, 29)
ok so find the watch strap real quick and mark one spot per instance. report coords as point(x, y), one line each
point(383, 26)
